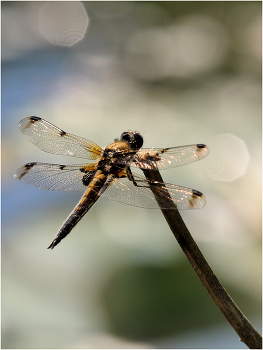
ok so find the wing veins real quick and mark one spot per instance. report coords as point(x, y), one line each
point(47, 176)
point(123, 190)
point(51, 139)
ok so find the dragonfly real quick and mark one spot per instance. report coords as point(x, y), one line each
point(109, 174)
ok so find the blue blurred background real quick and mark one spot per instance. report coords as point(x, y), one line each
point(178, 72)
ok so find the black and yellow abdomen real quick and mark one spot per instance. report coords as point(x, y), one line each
point(86, 202)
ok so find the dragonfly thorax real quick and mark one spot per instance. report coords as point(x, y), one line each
point(112, 156)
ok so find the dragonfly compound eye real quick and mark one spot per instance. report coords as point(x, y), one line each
point(133, 138)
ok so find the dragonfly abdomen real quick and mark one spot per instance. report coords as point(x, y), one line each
point(75, 216)
point(88, 199)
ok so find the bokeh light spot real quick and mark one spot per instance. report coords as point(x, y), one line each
point(63, 22)
point(228, 158)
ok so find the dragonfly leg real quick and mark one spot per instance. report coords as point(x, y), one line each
point(131, 178)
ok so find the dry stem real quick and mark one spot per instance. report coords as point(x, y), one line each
point(247, 333)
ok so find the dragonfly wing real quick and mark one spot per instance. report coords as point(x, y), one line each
point(164, 158)
point(123, 190)
point(56, 177)
point(51, 139)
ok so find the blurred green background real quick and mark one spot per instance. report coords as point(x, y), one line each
point(180, 73)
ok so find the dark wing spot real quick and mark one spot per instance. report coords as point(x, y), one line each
point(201, 145)
point(30, 165)
point(34, 119)
point(26, 169)
point(195, 195)
point(62, 133)
point(62, 167)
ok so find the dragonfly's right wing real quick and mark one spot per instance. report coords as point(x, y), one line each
point(51, 139)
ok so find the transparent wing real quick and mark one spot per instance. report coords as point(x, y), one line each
point(164, 158)
point(51, 139)
point(56, 177)
point(123, 190)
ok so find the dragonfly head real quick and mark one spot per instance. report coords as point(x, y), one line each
point(133, 138)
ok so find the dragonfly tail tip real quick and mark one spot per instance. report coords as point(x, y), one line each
point(51, 246)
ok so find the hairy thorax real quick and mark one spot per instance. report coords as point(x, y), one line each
point(111, 156)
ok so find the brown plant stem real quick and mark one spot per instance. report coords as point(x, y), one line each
point(247, 333)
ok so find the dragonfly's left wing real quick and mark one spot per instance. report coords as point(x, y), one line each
point(51, 139)
point(56, 177)
point(163, 158)
point(123, 190)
